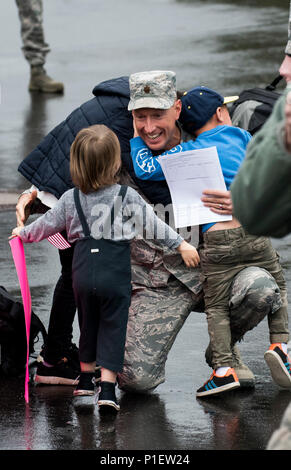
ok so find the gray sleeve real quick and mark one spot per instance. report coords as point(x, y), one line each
point(147, 224)
point(53, 221)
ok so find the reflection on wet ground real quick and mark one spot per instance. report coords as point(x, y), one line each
point(224, 44)
point(169, 418)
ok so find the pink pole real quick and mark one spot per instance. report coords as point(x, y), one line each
point(17, 250)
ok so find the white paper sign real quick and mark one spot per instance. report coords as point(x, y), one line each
point(188, 174)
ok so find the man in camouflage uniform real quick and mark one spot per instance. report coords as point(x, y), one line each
point(34, 46)
point(164, 290)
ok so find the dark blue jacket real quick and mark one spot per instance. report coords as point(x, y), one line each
point(47, 166)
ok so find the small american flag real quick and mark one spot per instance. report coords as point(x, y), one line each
point(59, 241)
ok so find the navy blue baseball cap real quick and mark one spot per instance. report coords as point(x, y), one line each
point(199, 104)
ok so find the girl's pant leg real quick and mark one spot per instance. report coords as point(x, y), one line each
point(112, 331)
point(88, 316)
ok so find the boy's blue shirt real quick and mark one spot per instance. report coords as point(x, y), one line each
point(231, 143)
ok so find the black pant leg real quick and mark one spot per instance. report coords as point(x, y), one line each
point(112, 331)
point(88, 315)
point(60, 330)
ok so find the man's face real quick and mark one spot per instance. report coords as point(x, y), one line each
point(157, 127)
point(285, 68)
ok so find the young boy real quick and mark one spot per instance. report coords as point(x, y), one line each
point(227, 248)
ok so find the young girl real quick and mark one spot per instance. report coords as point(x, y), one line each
point(97, 218)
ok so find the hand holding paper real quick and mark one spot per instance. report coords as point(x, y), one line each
point(188, 174)
point(218, 201)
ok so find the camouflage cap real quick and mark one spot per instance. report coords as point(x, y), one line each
point(153, 89)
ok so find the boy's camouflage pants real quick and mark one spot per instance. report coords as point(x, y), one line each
point(34, 46)
point(224, 254)
point(157, 314)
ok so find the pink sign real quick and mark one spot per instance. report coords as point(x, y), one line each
point(17, 249)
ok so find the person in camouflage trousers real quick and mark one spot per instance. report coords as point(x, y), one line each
point(164, 291)
point(35, 47)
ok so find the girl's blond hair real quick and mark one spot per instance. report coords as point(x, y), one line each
point(94, 158)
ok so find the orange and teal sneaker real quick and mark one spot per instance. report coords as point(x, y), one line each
point(218, 384)
point(279, 364)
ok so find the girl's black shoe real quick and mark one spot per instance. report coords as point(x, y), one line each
point(107, 401)
point(84, 394)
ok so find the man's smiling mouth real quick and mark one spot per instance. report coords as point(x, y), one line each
point(154, 136)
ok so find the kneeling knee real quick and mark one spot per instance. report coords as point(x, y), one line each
point(138, 383)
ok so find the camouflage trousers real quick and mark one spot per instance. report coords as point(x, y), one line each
point(224, 254)
point(157, 314)
point(34, 46)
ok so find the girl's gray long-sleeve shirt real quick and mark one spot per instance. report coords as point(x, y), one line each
point(135, 219)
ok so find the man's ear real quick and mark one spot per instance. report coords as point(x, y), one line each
point(135, 133)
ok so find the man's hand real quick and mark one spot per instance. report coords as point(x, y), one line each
point(218, 201)
point(189, 254)
point(23, 207)
point(288, 122)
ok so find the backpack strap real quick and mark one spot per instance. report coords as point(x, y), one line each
point(114, 210)
point(81, 213)
point(274, 83)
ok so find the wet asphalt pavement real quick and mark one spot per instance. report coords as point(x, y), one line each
point(225, 45)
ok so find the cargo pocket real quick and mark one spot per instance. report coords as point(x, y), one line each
point(216, 255)
point(260, 244)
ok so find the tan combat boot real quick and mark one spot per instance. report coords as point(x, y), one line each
point(40, 81)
